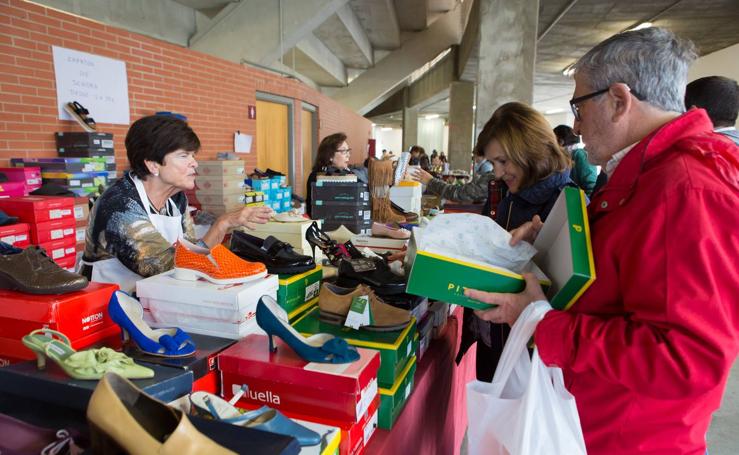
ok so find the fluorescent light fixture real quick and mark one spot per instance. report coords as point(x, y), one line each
point(431, 116)
point(643, 25)
point(386, 128)
point(553, 111)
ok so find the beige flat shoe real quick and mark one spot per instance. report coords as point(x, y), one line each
point(123, 419)
point(382, 230)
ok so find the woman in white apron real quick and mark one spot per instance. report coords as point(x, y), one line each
point(134, 224)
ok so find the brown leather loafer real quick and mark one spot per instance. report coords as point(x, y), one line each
point(32, 271)
point(334, 303)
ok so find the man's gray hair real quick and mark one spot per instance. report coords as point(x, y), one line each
point(653, 62)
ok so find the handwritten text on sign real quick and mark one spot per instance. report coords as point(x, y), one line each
point(98, 83)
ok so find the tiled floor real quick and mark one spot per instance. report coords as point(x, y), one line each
point(723, 436)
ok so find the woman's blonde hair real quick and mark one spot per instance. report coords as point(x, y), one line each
point(527, 140)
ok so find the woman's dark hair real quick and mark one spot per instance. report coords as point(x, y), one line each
point(419, 149)
point(326, 149)
point(565, 135)
point(151, 138)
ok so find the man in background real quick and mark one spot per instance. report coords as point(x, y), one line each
point(719, 96)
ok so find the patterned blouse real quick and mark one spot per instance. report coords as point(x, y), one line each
point(120, 227)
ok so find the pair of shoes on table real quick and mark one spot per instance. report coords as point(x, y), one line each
point(279, 257)
point(81, 116)
point(317, 238)
point(217, 265)
point(321, 347)
point(265, 418)
point(334, 303)
point(31, 270)
point(123, 419)
point(90, 364)
point(128, 313)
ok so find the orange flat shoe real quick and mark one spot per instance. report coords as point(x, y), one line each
point(218, 265)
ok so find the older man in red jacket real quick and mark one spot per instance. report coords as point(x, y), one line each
point(647, 349)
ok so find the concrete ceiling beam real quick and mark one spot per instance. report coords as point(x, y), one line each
point(250, 30)
point(379, 20)
point(334, 71)
point(345, 36)
point(373, 86)
point(413, 15)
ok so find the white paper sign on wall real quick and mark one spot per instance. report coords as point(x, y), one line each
point(98, 83)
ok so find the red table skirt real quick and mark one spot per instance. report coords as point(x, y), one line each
point(435, 417)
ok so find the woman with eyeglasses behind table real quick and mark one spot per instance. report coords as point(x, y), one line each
point(332, 159)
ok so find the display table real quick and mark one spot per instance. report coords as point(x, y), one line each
point(435, 417)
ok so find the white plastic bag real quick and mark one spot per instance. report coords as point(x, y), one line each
point(526, 410)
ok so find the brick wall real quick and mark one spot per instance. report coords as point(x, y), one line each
point(211, 92)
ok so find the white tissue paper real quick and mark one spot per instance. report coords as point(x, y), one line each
point(467, 236)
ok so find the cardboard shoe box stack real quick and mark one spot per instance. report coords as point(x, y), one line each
point(343, 396)
point(52, 224)
point(81, 216)
point(338, 202)
point(277, 195)
point(220, 186)
point(226, 311)
point(397, 351)
point(83, 145)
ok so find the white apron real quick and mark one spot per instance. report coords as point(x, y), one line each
point(112, 270)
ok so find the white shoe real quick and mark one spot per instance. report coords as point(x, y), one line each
point(289, 217)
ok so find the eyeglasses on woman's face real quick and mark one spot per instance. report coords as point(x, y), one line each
point(345, 152)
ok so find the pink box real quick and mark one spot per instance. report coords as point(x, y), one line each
point(29, 176)
point(12, 189)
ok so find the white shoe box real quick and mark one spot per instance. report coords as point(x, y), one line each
point(407, 197)
point(202, 307)
point(379, 244)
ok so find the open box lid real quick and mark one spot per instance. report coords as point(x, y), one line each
point(565, 253)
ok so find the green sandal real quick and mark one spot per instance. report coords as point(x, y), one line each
point(86, 365)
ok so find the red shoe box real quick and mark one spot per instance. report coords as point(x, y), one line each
point(82, 316)
point(208, 383)
point(17, 234)
point(50, 231)
point(81, 209)
point(12, 189)
point(29, 176)
point(285, 381)
point(60, 249)
point(35, 209)
point(354, 435)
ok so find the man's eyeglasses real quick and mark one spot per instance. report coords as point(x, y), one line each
point(574, 102)
point(344, 151)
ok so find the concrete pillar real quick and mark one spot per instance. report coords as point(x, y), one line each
point(461, 124)
point(507, 55)
point(410, 127)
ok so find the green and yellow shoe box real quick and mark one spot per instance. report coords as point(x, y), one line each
point(297, 293)
point(395, 347)
point(564, 262)
point(393, 399)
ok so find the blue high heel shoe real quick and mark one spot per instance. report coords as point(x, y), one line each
point(128, 313)
point(265, 418)
point(321, 347)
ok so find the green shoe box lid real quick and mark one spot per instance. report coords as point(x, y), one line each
point(295, 291)
point(393, 400)
point(564, 264)
point(395, 347)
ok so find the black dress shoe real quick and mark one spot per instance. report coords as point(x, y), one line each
point(279, 257)
point(374, 272)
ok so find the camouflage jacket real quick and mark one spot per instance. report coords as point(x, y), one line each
point(475, 190)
